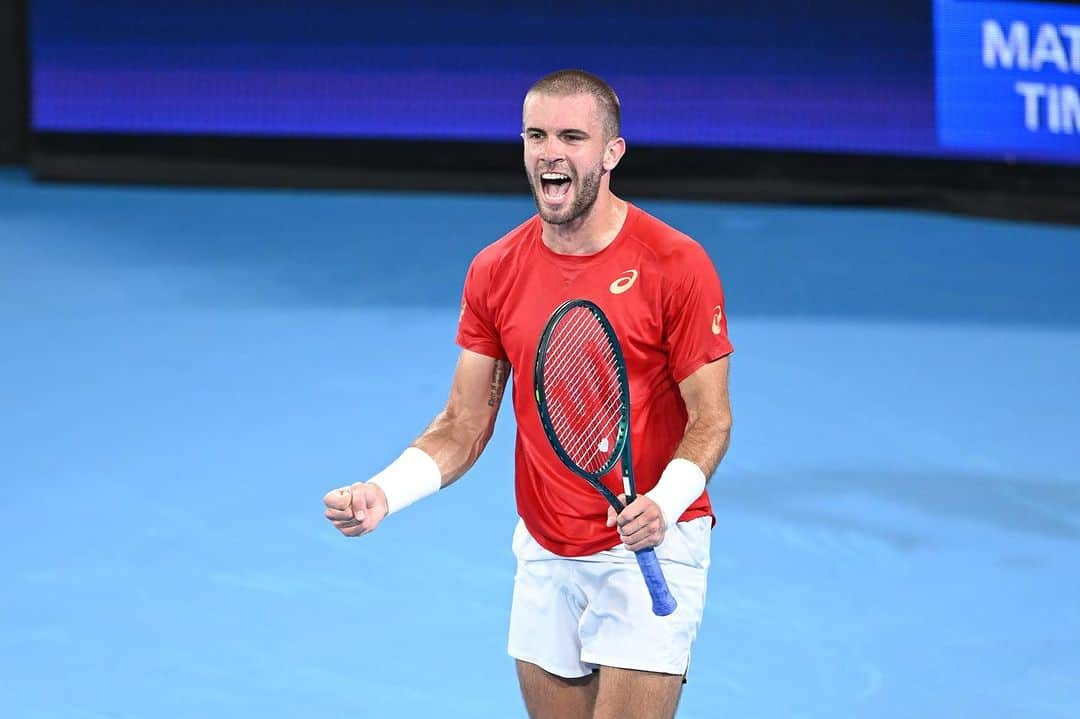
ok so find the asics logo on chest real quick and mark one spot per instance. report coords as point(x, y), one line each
point(624, 282)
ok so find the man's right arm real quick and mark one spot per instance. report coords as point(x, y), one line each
point(457, 436)
point(444, 451)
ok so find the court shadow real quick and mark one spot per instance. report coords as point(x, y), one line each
point(1037, 507)
point(379, 249)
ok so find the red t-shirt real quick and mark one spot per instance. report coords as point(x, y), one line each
point(664, 299)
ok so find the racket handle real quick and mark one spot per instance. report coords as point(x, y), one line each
point(663, 603)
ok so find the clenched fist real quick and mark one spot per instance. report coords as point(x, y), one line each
point(357, 509)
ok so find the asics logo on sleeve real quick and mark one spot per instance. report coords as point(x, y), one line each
point(624, 282)
point(717, 318)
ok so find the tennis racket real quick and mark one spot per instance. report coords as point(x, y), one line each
point(583, 397)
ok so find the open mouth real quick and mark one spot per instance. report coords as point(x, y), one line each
point(555, 186)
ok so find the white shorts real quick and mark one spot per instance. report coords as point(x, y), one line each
point(571, 615)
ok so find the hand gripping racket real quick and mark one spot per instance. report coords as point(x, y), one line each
point(583, 396)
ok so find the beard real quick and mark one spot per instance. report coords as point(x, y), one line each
point(586, 188)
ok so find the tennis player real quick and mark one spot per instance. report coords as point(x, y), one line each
point(581, 627)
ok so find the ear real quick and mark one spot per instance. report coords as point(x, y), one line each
point(614, 152)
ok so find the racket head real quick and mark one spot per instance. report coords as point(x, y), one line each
point(582, 392)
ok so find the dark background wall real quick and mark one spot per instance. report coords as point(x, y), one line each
point(13, 81)
point(751, 100)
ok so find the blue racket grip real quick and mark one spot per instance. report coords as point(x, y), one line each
point(663, 603)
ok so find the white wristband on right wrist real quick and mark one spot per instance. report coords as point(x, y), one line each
point(681, 482)
point(409, 478)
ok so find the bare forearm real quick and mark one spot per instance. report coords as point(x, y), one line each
point(684, 478)
point(456, 437)
point(453, 444)
point(705, 443)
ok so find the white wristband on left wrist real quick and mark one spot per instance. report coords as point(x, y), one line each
point(681, 483)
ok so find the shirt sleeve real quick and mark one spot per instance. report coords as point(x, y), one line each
point(695, 319)
point(477, 331)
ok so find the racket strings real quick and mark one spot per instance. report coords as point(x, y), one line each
point(568, 338)
point(583, 390)
point(590, 449)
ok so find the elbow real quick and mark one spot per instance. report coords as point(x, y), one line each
point(470, 430)
point(481, 435)
point(718, 422)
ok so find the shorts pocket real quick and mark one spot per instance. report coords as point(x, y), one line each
point(688, 543)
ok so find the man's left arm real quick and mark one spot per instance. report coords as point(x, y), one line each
point(704, 443)
point(708, 427)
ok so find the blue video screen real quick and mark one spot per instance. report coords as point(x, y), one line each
point(933, 78)
point(1008, 78)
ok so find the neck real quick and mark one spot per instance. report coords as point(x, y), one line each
point(591, 232)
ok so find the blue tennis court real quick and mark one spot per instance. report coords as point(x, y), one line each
point(185, 372)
